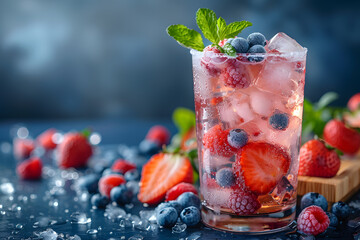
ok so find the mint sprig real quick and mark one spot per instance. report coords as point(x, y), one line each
point(214, 29)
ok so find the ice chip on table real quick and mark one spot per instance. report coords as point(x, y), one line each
point(283, 192)
point(283, 43)
point(148, 215)
point(49, 234)
point(79, 218)
point(179, 227)
point(114, 213)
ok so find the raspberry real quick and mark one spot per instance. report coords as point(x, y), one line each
point(235, 75)
point(216, 141)
point(313, 220)
point(159, 134)
point(243, 202)
point(106, 183)
point(122, 166)
point(179, 189)
point(205, 61)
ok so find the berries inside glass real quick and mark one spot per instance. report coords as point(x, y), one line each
point(249, 112)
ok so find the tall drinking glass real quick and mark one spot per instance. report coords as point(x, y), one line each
point(248, 122)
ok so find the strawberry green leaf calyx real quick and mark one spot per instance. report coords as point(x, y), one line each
point(186, 37)
point(86, 132)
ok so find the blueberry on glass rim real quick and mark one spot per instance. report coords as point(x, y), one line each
point(256, 38)
point(256, 49)
point(240, 44)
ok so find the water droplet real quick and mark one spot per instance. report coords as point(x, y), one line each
point(92, 231)
point(19, 226)
point(79, 218)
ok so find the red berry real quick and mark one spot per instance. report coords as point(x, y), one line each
point(23, 148)
point(339, 136)
point(313, 220)
point(354, 101)
point(108, 182)
point(159, 134)
point(30, 169)
point(318, 161)
point(243, 202)
point(235, 75)
point(74, 151)
point(261, 165)
point(179, 189)
point(46, 139)
point(161, 173)
point(207, 59)
point(122, 166)
point(216, 141)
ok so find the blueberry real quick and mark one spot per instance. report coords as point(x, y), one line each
point(188, 199)
point(149, 148)
point(132, 175)
point(225, 177)
point(99, 201)
point(334, 222)
point(256, 57)
point(279, 121)
point(313, 198)
point(241, 45)
point(173, 204)
point(341, 210)
point(121, 195)
point(256, 38)
point(190, 216)
point(89, 183)
point(237, 138)
point(229, 40)
point(167, 217)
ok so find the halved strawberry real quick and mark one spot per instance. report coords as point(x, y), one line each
point(179, 189)
point(261, 165)
point(162, 172)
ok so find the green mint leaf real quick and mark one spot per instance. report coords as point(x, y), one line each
point(326, 99)
point(233, 29)
point(207, 22)
point(184, 119)
point(221, 24)
point(229, 50)
point(186, 37)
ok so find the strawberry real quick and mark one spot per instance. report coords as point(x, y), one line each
point(30, 169)
point(46, 139)
point(23, 147)
point(162, 172)
point(339, 136)
point(179, 189)
point(74, 151)
point(318, 161)
point(261, 165)
point(216, 141)
point(108, 182)
point(354, 101)
point(122, 166)
point(158, 134)
point(188, 141)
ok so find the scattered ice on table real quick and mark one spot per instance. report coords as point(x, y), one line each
point(283, 191)
point(42, 222)
point(7, 188)
point(114, 213)
point(143, 225)
point(129, 206)
point(133, 186)
point(154, 228)
point(49, 234)
point(148, 215)
point(75, 237)
point(5, 147)
point(19, 226)
point(95, 138)
point(283, 43)
point(125, 223)
point(354, 223)
point(92, 231)
point(136, 237)
point(134, 219)
point(179, 227)
point(79, 218)
point(194, 236)
point(2, 212)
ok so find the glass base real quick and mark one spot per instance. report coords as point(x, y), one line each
point(254, 225)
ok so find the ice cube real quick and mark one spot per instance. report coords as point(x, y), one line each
point(79, 218)
point(148, 215)
point(143, 225)
point(244, 111)
point(261, 103)
point(216, 197)
point(114, 213)
point(49, 234)
point(179, 227)
point(283, 43)
point(283, 192)
point(136, 237)
point(92, 231)
point(211, 163)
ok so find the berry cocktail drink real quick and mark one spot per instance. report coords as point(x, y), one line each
point(248, 101)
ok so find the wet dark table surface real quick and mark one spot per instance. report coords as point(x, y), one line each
point(36, 206)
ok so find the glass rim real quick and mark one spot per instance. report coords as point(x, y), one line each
point(280, 54)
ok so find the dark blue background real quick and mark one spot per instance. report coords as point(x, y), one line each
point(113, 59)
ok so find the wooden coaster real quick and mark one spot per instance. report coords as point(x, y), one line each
point(339, 188)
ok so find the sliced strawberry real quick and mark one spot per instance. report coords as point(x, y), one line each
point(162, 172)
point(30, 169)
point(179, 189)
point(216, 141)
point(46, 139)
point(108, 182)
point(122, 166)
point(261, 165)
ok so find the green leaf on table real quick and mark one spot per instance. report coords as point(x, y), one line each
point(233, 29)
point(186, 37)
point(326, 99)
point(229, 50)
point(221, 25)
point(184, 119)
point(207, 22)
